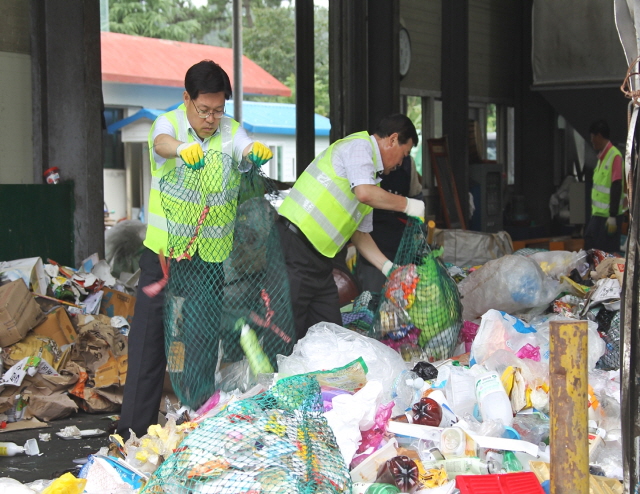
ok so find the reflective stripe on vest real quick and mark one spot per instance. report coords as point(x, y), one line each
point(601, 190)
point(215, 237)
point(322, 205)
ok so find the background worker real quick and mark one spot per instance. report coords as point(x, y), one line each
point(179, 137)
point(330, 204)
point(388, 226)
point(608, 198)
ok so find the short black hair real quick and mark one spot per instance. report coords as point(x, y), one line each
point(600, 127)
point(207, 77)
point(397, 122)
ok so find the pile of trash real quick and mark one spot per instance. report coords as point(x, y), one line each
point(349, 411)
point(63, 339)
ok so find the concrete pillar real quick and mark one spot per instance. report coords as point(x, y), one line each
point(455, 93)
point(67, 109)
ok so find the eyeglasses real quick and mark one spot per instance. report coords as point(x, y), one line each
point(205, 114)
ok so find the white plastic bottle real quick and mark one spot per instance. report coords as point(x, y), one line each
point(10, 449)
point(596, 439)
point(492, 399)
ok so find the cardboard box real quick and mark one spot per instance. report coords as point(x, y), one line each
point(58, 327)
point(115, 303)
point(19, 312)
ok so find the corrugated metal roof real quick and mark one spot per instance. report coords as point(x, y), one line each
point(274, 118)
point(258, 117)
point(159, 62)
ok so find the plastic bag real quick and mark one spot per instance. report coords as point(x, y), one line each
point(510, 284)
point(327, 346)
point(556, 263)
point(502, 331)
point(66, 484)
point(596, 345)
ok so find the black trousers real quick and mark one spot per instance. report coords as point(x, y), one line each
point(596, 237)
point(147, 359)
point(314, 293)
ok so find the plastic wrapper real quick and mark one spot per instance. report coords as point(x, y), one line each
point(556, 263)
point(499, 330)
point(488, 428)
point(596, 345)
point(532, 427)
point(511, 283)
point(393, 322)
point(401, 286)
point(328, 346)
point(66, 484)
point(373, 437)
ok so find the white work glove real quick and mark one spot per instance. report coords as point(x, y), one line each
point(415, 208)
point(612, 226)
point(192, 154)
point(388, 267)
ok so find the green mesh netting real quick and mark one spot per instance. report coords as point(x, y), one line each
point(226, 273)
point(420, 308)
point(276, 442)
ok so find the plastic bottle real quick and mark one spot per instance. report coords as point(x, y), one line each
point(492, 399)
point(10, 449)
point(596, 439)
point(258, 361)
point(405, 391)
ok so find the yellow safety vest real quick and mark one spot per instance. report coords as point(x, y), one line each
point(192, 191)
point(322, 205)
point(601, 190)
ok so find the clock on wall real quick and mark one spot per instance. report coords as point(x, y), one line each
point(405, 51)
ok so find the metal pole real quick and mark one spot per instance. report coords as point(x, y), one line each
point(569, 379)
point(305, 86)
point(237, 60)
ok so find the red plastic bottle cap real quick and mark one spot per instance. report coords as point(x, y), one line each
point(52, 175)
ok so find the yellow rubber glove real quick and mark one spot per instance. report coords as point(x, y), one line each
point(259, 154)
point(192, 154)
point(612, 226)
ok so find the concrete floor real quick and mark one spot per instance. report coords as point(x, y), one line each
point(57, 455)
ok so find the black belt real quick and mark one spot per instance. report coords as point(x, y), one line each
point(298, 233)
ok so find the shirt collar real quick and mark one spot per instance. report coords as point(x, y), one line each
point(193, 133)
point(379, 168)
point(602, 153)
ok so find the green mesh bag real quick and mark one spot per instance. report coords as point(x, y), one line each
point(276, 442)
point(226, 271)
point(420, 312)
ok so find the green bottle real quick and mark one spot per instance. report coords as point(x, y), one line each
point(382, 489)
point(258, 361)
point(511, 463)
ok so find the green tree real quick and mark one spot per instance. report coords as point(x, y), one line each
point(166, 19)
point(271, 41)
point(268, 34)
point(178, 20)
point(264, 45)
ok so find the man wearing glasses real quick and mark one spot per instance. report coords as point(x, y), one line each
point(179, 137)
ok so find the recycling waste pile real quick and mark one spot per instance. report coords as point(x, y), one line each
point(439, 384)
